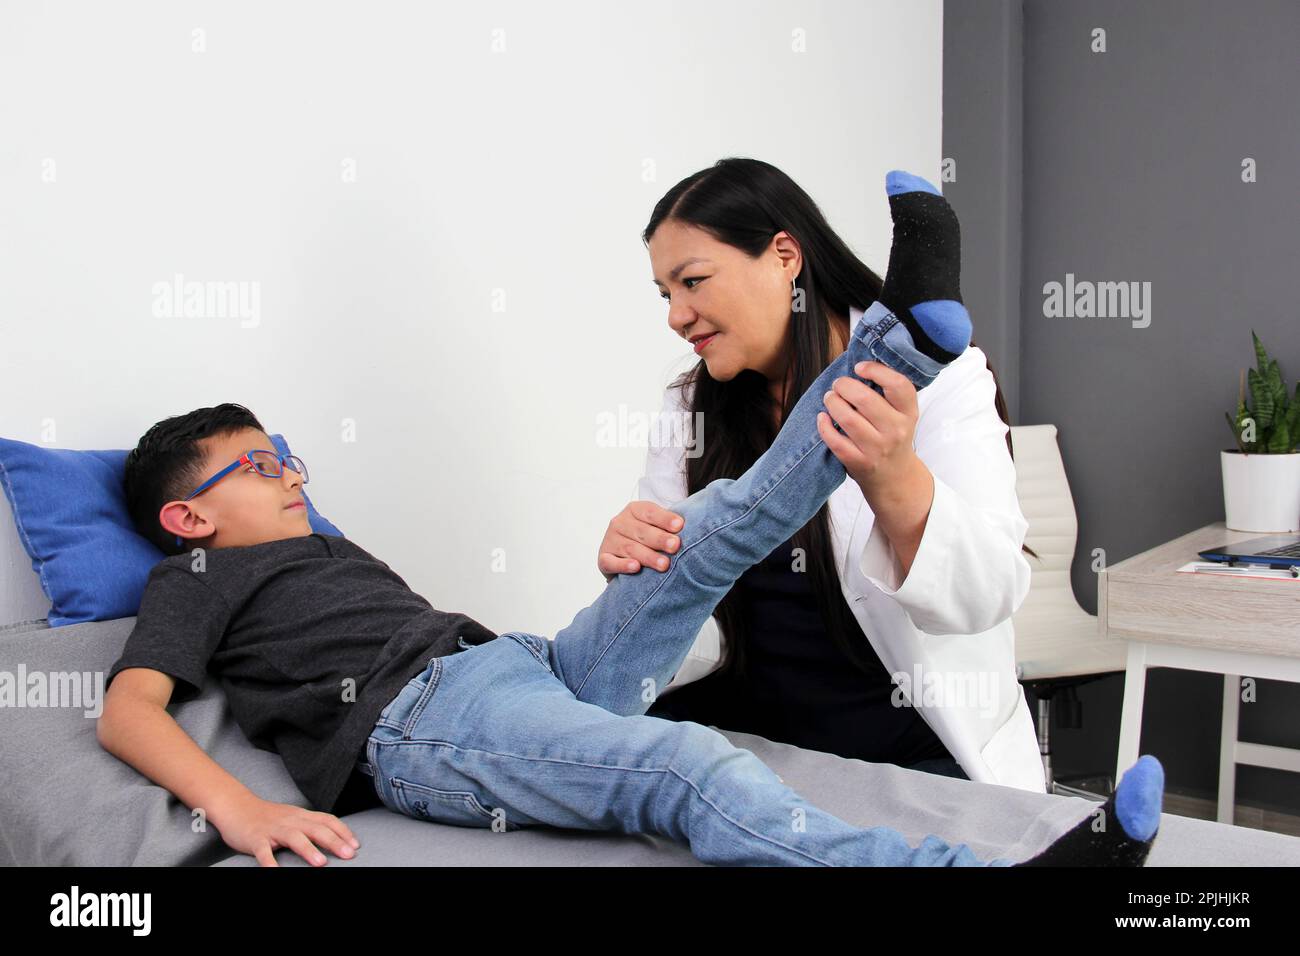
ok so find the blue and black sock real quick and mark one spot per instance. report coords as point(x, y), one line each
point(923, 283)
point(1123, 833)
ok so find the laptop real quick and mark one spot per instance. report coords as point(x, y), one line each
point(1274, 550)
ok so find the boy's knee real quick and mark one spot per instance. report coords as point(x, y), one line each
point(703, 756)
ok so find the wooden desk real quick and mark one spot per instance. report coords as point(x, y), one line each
point(1205, 622)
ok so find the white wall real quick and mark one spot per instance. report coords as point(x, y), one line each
point(476, 171)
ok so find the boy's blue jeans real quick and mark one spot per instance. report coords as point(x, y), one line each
point(523, 731)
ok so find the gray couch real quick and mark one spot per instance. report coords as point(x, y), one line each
point(67, 801)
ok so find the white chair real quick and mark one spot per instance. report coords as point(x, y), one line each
point(1058, 643)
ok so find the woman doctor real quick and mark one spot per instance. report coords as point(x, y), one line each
point(908, 575)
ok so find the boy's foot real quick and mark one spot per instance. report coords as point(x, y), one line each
point(1122, 834)
point(922, 284)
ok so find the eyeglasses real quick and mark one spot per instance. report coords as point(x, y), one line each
point(268, 464)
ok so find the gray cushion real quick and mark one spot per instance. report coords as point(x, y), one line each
point(68, 801)
point(994, 821)
point(21, 597)
point(19, 626)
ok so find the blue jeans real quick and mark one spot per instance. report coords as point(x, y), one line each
point(523, 731)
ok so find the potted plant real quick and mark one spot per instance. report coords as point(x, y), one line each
point(1261, 476)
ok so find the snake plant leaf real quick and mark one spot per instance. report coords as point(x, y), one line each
point(1275, 386)
point(1236, 433)
point(1279, 439)
point(1261, 356)
point(1293, 416)
point(1261, 398)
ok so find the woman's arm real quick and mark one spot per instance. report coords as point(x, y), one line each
point(968, 573)
point(902, 510)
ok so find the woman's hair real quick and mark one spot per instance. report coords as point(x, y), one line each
point(744, 203)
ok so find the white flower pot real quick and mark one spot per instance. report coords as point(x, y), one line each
point(1261, 492)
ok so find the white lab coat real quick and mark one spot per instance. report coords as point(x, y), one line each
point(951, 618)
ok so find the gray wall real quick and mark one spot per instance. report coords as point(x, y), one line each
point(1131, 165)
point(982, 66)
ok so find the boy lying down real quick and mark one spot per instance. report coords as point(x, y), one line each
point(373, 697)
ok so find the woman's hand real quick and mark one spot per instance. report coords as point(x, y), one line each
point(876, 446)
point(876, 450)
point(636, 536)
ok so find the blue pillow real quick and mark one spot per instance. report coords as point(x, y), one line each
point(71, 515)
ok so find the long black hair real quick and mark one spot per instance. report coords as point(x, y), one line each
point(744, 203)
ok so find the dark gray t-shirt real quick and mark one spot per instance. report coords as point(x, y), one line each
point(311, 638)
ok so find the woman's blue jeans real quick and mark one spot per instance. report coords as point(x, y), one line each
point(522, 731)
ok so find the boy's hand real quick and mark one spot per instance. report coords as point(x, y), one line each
point(259, 827)
point(635, 538)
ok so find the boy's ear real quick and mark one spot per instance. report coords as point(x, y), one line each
point(180, 518)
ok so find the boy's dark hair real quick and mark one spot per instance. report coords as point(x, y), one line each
point(167, 462)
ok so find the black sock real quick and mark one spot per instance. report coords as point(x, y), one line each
point(1119, 832)
point(923, 282)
